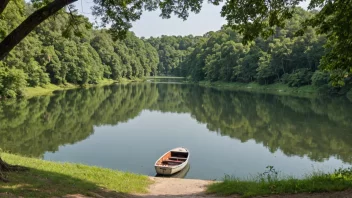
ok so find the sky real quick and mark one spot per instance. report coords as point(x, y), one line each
point(150, 24)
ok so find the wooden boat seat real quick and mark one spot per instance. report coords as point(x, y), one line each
point(172, 161)
point(177, 158)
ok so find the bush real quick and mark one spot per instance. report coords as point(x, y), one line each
point(299, 78)
point(320, 78)
point(12, 82)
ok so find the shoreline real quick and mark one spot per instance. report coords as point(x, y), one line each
point(66, 179)
point(49, 89)
point(307, 91)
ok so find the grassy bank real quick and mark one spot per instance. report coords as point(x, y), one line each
point(50, 88)
point(278, 88)
point(50, 179)
point(269, 184)
point(165, 77)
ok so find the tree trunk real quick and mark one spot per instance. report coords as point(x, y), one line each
point(5, 167)
point(3, 5)
point(18, 34)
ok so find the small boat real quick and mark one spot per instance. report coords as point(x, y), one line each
point(172, 161)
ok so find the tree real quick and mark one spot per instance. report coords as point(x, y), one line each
point(252, 21)
point(117, 13)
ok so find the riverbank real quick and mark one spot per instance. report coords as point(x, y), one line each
point(165, 77)
point(50, 88)
point(53, 179)
point(277, 88)
point(269, 183)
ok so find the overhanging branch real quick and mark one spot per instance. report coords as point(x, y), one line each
point(18, 34)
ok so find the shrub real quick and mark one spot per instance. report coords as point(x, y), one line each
point(12, 82)
point(299, 78)
point(320, 78)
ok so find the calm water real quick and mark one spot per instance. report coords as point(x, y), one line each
point(127, 127)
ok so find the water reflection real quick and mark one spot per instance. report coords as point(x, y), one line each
point(318, 128)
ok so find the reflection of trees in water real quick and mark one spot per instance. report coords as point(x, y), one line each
point(318, 128)
point(31, 127)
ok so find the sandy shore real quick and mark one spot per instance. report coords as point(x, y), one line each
point(174, 187)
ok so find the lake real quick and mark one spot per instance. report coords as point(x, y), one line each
point(128, 127)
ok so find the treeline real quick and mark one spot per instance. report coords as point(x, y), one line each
point(66, 50)
point(172, 51)
point(63, 50)
point(282, 58)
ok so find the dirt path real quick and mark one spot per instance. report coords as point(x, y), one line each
point(193, 188)
point(173, 187)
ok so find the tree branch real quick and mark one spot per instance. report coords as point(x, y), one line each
point(3, 5)
point(18, 34)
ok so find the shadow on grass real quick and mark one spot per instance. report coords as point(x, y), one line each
point(39, 183)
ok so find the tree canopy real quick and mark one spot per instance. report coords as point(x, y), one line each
point(251, 18)
point(57, 53)
point(46, 56)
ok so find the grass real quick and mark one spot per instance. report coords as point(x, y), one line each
point(277, 88)
point(51, 179)
point(269, 183)
point(45, 90)
point(50, 88)
point(164, 77)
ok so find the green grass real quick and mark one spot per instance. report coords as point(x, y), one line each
point(50, 88)
point(50, 179)
point(277, 88)
point(270, 184)
point(45, 90)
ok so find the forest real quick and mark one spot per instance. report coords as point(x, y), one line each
point(221, 56)
point(57, 54)
point(80, 54)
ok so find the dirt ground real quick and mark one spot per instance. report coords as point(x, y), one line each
point(173, 187)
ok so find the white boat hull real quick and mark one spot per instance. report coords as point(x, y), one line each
point(162, 170)
point(170, 170)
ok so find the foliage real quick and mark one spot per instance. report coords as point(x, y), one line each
point(299, 78)
point(172, 50)
point(261, 18)
point(252, 19)
point(12, 82)
point(320, 78)
point(55, 54)
point(221, 56)
point(334, 20)
point(268, 184)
